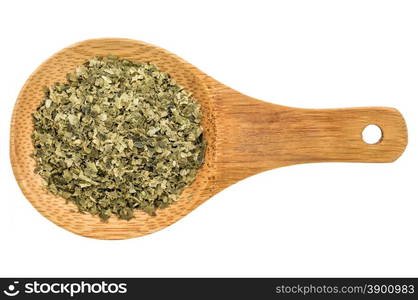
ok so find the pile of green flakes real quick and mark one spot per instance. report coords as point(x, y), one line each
point(118, 136)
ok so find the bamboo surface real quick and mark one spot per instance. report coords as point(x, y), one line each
point(245, 136)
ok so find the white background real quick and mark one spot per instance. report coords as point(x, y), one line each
point(331, 219)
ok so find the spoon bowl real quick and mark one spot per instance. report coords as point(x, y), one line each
point(245, 136)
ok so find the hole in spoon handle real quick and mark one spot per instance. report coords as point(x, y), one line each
point(372, 134)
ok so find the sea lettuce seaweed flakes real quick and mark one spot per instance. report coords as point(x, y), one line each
point(118, 136)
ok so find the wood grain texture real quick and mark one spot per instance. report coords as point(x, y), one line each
point(245, 136)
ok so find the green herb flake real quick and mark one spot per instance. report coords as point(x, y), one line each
point(118, 136)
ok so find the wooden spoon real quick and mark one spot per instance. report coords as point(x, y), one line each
point(245, 136)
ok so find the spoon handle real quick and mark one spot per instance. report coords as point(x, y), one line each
point(320, 135)
point(256, 136)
